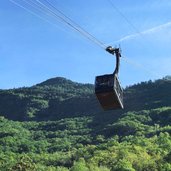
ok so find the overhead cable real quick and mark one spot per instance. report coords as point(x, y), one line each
point(30, 11)
point(140, 66)
point(58, 15)
point(72, 24)
point(124, 17)
point(78, 26)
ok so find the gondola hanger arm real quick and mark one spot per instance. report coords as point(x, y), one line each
point(115, 51)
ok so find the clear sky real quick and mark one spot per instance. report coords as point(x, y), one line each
point(33, 50)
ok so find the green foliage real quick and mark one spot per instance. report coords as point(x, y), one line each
point(79, 166)
point(25, 163)
point(58, 126)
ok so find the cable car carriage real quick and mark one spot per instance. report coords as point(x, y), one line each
point(107, 87)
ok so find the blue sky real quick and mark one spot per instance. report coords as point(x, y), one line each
point(33, 50)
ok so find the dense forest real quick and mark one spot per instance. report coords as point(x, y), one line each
point(58, 125)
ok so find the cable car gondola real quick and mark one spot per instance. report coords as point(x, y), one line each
point(107, 87)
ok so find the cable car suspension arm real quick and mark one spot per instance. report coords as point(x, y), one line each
point(115, 51)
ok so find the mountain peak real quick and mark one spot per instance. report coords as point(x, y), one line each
point(168, 77)
point(55, 81)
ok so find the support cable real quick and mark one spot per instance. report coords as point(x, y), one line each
point(140, 66)
point(30, 11)
point(39, 6)
point(125, 18)
point(69, 19)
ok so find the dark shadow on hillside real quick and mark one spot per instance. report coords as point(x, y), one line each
point(48, 103)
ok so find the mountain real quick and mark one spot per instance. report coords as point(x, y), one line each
point(47, 100)
point(59, 125)
point(58, 98)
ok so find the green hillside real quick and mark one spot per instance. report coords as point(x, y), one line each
point(59, 125)
point(51, 99)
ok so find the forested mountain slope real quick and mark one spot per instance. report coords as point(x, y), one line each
point(60, 98)
point(58, 125)
point(47, 100)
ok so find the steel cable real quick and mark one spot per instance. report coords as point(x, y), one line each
point(39, 6)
